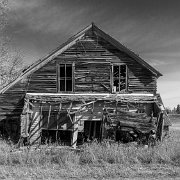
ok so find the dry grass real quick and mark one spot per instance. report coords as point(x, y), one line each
point(175, 118)
point(93, 161)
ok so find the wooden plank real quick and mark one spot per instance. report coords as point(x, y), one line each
point(75, 133)
point(160, 124)
point(49, 114)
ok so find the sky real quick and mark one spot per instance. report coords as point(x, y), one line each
point(151, 28)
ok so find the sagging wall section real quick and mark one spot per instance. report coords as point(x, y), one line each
point(71, 120)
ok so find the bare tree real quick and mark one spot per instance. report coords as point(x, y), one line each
point(10, 60)
point(3, 13)
point(10, 66)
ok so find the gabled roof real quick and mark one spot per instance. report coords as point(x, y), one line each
point(70, 42)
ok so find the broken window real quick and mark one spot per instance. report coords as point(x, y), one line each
point(119, 78)
point(65, 80)
point(56, 127)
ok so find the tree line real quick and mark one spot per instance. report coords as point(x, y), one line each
point(175, 110)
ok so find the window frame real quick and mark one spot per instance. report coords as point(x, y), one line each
point(59, 78)
point(112, 77)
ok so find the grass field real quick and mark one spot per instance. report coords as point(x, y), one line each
point(175, 118)
point(94, 161)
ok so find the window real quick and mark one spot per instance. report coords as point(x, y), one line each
point(65, 77)
point(119, 78)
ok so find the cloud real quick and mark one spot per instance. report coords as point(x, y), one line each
point(39, 16)
point(169, 90)
point(19, 5)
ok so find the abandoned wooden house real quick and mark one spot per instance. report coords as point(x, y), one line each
point(91, 87)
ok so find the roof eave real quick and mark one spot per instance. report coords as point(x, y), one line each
point(125, 49)
point(49, 57)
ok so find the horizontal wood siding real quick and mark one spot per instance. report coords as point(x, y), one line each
point(95, 49)
point(93, 57)
point(92, 77)
point(44, 79)
point(11, 105)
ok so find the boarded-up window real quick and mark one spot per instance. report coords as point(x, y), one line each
point(65, 77)
point(119, 78)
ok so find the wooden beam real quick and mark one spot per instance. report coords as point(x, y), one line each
point(94, 131)
point(89, 94)
point(102, 128)
point(69, 111)
point(75, 133)
point(49, 115)
point(105, 87)
point(160, 125)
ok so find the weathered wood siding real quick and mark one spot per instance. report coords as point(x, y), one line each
point(95, 49)
point(11, 104)
point(92, 77)
point(93, 57)
point(44, 80)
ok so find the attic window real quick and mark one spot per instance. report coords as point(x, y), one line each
point(65, 77)
point(119, 78)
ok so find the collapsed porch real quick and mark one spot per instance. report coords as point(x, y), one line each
point(75, 118)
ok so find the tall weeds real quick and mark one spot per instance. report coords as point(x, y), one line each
point(167, 152)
